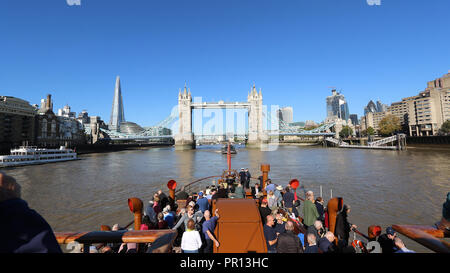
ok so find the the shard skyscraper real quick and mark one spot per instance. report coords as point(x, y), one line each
point(117, 114)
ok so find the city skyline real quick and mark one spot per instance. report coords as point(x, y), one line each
point(294, 54)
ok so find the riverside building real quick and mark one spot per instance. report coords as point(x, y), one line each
point(286, 114)
point(420, 115)
point(16, 122)
point(55, 131)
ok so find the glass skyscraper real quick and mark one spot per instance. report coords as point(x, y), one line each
point(117, 114)
point(286, 114)
point(337, 106)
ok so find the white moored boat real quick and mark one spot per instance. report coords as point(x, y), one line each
point(28, 155)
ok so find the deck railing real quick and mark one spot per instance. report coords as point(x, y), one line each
point(121, 236)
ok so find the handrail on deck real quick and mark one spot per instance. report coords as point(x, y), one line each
point(427, 236)
point(121, 236)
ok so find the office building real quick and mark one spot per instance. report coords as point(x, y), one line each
point(337, 107)
point(286, 114)
point(354, 119)
point(65, 112)
point(16, 123)
point(420, 115)
point(117, 112)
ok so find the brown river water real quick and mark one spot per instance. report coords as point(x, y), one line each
point(382, 187)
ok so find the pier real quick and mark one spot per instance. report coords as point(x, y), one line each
point(400, 140)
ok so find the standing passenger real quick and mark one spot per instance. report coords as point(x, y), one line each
point(247, 181)
point(278, 195)
point(317, 230)
point(310, 213)
point(202, 202)
point(256, 190)
point(288, 242)
point(163, 200)
point(343, 227)
point(243, 177)
point(280, 225)
point(161, 223)
point(312, 244)
point(386, 241)
point(264, 211)
point(191, 241)
point(270, 235)
point(169, 217)
point(320, 209)
point(326, 243)
point(271, 200)
point(288, 199)
point(208, 230)
point(156, 206)
point(150, 212)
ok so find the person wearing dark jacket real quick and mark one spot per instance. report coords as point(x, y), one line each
point(264, 211)
point(288, 242)
point(317, 230)
point(242, 177)
point(387, 242)
point(221, 193)
point(247, 180)
point(22, 230)
point(343, 227)
point(311, 241)
point(256, 189)
point(320, 209)
point(163, 199)
point(326, 243)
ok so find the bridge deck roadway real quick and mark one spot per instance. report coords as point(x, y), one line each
point(228, 105)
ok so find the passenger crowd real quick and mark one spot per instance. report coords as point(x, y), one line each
point(290, 225)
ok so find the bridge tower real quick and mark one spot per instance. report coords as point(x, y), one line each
point(255, 118)
point(184, 140)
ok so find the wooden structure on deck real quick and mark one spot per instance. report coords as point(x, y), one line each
point(239, 228)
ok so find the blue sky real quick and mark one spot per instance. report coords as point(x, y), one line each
point(294, 50)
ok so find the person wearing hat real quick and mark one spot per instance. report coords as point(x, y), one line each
point(202, 202)
point(278, 195)
point(343, 227)
point(247, 179)
point(242, 176)
point(387, 242)
point(182, 195)
point(169, 217)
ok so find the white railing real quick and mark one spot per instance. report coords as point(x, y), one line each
point(386, 140)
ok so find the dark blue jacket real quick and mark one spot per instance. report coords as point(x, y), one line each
point(23, 230)
point(325, 245)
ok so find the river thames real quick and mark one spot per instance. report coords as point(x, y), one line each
point(382, 187)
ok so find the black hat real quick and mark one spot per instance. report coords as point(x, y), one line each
point(390, 231)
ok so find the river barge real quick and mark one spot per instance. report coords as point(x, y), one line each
point(228, 149)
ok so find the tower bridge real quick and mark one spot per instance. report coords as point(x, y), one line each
point(255, 136)
point(185, 137)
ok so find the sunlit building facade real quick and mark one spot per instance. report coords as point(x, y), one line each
point(337, 106)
